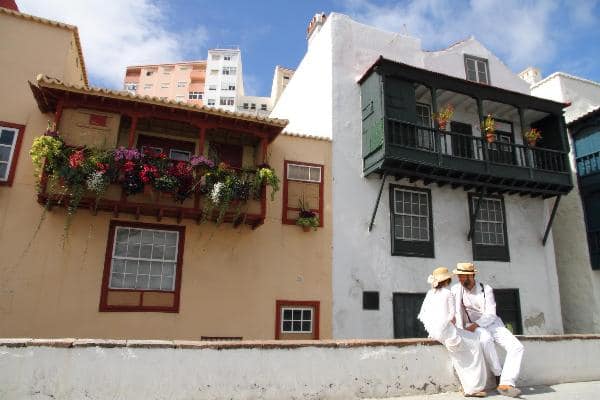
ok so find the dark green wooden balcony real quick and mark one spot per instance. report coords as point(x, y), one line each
point(396, 141)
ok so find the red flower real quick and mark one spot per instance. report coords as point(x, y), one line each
point(76, 159)
point(128, 166)
point(101, 167)
point(148, 172)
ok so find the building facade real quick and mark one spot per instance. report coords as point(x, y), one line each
point(410, 195)
point(576, 236)
point(132, 259)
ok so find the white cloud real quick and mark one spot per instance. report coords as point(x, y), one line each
point(115, 34)
point(520, 32)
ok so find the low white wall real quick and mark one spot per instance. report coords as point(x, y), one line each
point(101, 369)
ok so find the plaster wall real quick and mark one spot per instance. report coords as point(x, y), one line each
point(266, 370)
point(362, 260)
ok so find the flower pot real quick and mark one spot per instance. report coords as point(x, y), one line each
point(531, 142)
point(306, 228)
point(442, 125)
point(490, 137)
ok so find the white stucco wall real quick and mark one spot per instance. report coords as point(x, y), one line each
point(119, 370)
point(579, 284)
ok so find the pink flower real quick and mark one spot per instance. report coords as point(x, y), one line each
point(76, 159)
point(128, 166)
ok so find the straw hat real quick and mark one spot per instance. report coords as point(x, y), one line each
point(439, 275)
point(465, 268)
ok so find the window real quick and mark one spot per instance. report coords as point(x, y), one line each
point(424, 115)
point(180, 98)
point(370, 300)
point(131, 86)
point(411, 222)
point(226, 101)
point(149, 73)
point(211, 102)
point(253, 106)
point(245, 106)
point(263, 107)
point(216, 57)
point(297, 320)
point(181, 84)
point(227, 86)
point(229, 70)
point(226, 58)
point(212, 87)
point(142, 270)
point(184, 68)
point(286, 78)
point(302, 182)
point(179, 155)
point(489, 240)
point(214, 72)
point(147, 86)
point(196, 95)
point(406, 308)
point(230, 154)
point(11, 136)
point(155, 151)
point(477, 70)
point(167, 71)
point(164, 85)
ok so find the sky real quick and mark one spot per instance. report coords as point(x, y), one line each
point(554, 35)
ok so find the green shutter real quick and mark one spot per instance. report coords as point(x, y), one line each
point(372, 115)
point(400, 100)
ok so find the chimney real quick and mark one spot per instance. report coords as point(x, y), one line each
point(531, 75)
point(314, 26)
point(10, 4)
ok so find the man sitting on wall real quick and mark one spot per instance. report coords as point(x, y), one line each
point(476, 312)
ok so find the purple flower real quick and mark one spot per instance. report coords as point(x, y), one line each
point(201, 160)
point(126, 154)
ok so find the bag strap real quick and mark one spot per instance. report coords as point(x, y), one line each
point(462, 300)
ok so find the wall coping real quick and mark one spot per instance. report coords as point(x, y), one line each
point(254, 344)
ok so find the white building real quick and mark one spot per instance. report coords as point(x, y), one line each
point(224, 78)
point(374, 93)
point(579, 280)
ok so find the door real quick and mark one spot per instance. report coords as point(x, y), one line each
point(501, 150)
point(400, 106)
point(406, 309)
point(508, 308)
point(462, 144)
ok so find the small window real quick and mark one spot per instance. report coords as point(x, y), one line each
point(149, 73)
point(143, 267)
point(181, 84)
point(263, 107)
point(195, 95)
point(164, 85)
point(489, 240)
point(229, 70)
point(154, 151)
point(297, 319)
point(406, 308)
point(226, 58)
point(226, 101)
point(212, 87)
point(245, 106)
point(411, 222)
point(253, 106)
point(286, 78)
point(179, 155)
point(184, 68)
point(424, 115)
point(215, 57)
point(477, 70)
point(508, 308)
point(167, 71)
point(214, 72)
point(131, 86)
point(180, 98)
point(11, 136)
point(303, 182)
point(370, 300)
point(147, 86)
point(211, 102)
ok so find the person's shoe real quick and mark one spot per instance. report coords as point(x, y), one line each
point(507, 390)
point(497, 380)
point(476, 394)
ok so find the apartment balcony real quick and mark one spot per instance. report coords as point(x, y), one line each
point(402, 139)
point(198, 75)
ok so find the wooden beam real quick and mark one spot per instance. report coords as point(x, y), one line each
point(552, 215)
point(474, 215)
point(377, 202)
point(131, 140)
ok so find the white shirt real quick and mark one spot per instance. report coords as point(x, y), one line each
point(475, 305)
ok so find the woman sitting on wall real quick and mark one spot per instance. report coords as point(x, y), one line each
point(437, 315)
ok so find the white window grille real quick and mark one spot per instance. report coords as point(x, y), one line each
point(489, 222)
point(296, 320)
point(8, 140)
point(195, 95)
point(181, 84)
point(229, 70)
point(411, 215)
point(477, 69)
point(304, 173)
point(226, 101)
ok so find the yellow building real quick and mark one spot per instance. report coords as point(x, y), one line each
point(145, 260)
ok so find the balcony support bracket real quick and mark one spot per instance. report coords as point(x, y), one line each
point(377, 202)
point(476, 211)
point(552, 215)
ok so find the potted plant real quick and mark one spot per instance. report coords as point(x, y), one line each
point(489, 127)
point(307, 218)
point(532, 136)
point(443, 116)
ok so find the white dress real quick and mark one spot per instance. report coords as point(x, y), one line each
point(464, 349)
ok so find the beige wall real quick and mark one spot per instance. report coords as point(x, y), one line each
point(231, 278)
point(29, 48)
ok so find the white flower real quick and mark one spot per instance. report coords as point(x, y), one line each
point(214, 195)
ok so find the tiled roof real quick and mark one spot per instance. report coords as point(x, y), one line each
point(584, 116)
point(306, 136)
point(49, 82)
point(57, 24)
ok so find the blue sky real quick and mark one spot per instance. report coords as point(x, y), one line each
point(555, 35)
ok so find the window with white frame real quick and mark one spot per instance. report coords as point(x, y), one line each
point(229, 70)
point(144, 259)
point(131, 86)
point(214, 72)
point(296, 320)
point(212, 87)
point(489, 240)
point(424, 115)
point(304, 173)
point(227, 86)
point(8, 141)
point(216, 57)
point(211, 102)
point(181, 84)
point(411, 221)
point(195, 95)
point(179, 155)
point(477, 70)
point(164, 85)
point(263, 107)
point(226, 101)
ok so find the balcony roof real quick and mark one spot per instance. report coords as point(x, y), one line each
point(49, 91)
point(452, 83)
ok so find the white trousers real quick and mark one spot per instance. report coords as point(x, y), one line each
point(497, 333)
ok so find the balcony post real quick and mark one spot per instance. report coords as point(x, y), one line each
point(484, 143)
point(263, 145)
point(131, 141)
point(528, 153)
point(201, 140)
point(434, 110)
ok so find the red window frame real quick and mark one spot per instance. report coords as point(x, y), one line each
point(315, 305)
point(285, 208)
point(15, 157)
point(107, 264)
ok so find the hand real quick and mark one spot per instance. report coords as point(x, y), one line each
point(472, 327)
point(453, 321)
